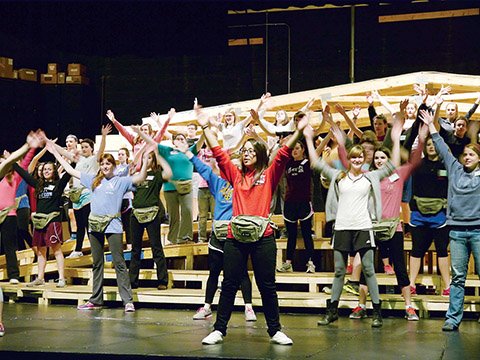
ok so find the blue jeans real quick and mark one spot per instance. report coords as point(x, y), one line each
point(463, 242)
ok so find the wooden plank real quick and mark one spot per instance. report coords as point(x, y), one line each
point(428, 15)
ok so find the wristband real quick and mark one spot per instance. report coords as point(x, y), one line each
point(204, 127)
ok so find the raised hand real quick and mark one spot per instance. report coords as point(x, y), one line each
point(36, 139)
point(426, 117)
point(356, 111)
point(6, 153)
point(264, 99)
point(254, 115)
point(369, 98)
point(340, 108)
point(172, 112)
point(110, 115)
point(403, 105)
point(202, 118)
point(397, 127)
point(419, 89)
point(155, 117)
point(302, 124)
point(106, 129)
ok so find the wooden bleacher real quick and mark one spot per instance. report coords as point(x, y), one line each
point(187, 283)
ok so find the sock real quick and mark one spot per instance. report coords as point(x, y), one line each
point(206, 306)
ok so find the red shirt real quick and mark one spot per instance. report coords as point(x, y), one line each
point(249, 198)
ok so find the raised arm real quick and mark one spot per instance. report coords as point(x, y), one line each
point(470, 112)
point(349, 121)
point(395, 133)
point(301, 125)
point(34, 140)
point(163, 127)
point(202, 119)
point(167, 172)
point(106, 129)
point(121, 129)
point(384, 102)
point(68, 168)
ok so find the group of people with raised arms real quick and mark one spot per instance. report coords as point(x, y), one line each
point(367, 187)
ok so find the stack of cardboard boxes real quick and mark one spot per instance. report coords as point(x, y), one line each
point(76, 73)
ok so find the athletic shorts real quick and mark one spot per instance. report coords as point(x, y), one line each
point(49, 236)
point(423, 236)
point(293, 212)
point(352, 240)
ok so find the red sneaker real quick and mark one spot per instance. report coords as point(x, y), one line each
point(349, 269)
point(388, 269)
point(446, 292)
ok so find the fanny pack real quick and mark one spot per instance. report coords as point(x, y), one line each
point(248, 228)
point(145, 215)
point(220, 229)
point(4, 212)
point(40, 221)
point(385, 228)
point(430, 206)
point(182, 186)
point(75, 193)
point(98, 223)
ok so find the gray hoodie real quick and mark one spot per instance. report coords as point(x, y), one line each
point(463, 188)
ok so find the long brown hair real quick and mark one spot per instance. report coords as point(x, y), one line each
point(99, 177)
point(41, 180)
point(138, 138)
point(262, 160)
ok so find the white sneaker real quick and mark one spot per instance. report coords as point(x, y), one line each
point(36, 282)
point(215, 337)
point(129, 307)
point(286, 267)
point(74, 254)
point(14, 281)
point(250, 315)
point(202, 313)
point(310, 267)
point(281, 339)
point(61, 283)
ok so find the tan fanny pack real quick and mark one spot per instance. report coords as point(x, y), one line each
point(220, 229)
point(40, 221)
point(4, 212)
point(385, 228)
point(430, 206)
point(145, 215)
point(75, 193)
point(98, 223)
point(248, 228)
point(182, 186)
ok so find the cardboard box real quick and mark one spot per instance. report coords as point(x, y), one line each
point(27, 74)
point(48, 78)
point(6, 67)
point(76, 69)
point(52, 68)
point(61, 78)
point(75, 79)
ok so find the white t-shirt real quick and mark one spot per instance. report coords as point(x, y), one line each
point(352, 213)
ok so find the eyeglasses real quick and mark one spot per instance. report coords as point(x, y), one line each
point(248, 151)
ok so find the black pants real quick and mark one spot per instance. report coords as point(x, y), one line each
point(81, 218)
point(306, 228)
point(215, 265)
point(395, 251)
point(23, 228)
point(126, 214)
point(8, 231)
point(153, 231)
point(263, 255)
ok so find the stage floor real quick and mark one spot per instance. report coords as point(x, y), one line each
point(60, 331)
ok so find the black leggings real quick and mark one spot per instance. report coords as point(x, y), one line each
point(23, 229)
point(81, 218)
point(306, 229)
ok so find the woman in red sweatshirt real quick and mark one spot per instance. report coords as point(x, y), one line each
point(253, 186)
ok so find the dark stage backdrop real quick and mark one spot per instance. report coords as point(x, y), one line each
point(150, 56)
